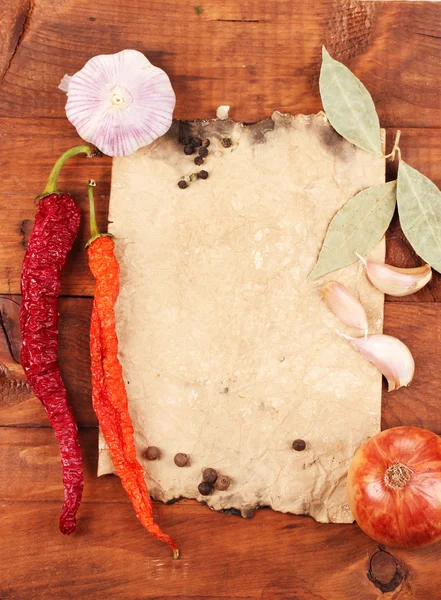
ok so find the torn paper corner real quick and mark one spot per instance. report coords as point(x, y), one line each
point(229, 354)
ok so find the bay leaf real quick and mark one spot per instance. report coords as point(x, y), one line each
point(419, 208)
point(356, 228)
point(349, 106)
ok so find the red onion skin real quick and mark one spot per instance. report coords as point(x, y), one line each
point(406, 517)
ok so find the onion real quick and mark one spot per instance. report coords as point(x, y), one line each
point(394, 487)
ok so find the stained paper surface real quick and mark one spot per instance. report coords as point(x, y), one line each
point(229, 353)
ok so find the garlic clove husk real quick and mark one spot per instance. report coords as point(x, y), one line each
point(391, 357)
point(343, 304)
point(119, 102)
point(64, 83)
point(394, 280)
point(223, 112)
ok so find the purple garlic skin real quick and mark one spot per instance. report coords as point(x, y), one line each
point(119, 102)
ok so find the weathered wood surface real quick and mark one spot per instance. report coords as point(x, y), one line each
point(18, 406)
point(269, 557)
point(13, 21)
point(29, 148)
point(256, 56)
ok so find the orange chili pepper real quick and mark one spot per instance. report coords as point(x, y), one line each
point(109, 394)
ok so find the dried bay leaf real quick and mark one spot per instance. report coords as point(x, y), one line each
point(356, 228)
point(419, 208)
point(349, 106)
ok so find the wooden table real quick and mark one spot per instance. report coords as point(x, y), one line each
point(257, 55)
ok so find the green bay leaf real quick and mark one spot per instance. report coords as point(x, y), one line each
point(419, 208)
point(349, 106)
point(356, 228)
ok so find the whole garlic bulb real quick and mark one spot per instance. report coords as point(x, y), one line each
point(119, 102)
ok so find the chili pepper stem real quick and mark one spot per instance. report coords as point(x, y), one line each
point(52, 184)
point(95, 232)
point(93, 226)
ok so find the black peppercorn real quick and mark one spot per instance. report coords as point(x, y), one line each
point(222, 483)
point(181, 459)
point(206, 142)
point(203, 175)
point(203, 152)
point(195, 142)
point(152, 453)
point(205, 488)
point(199, 161)
point(188, 150)
point(182, 184)
point(185, 140)
point(226, 142)
point(299, 445)
point(209, 475)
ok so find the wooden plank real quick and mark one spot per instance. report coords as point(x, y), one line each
point(272, 556)
point(417, 324)
point(422, 150)
point(18, 406)
point(255, 55)
point(14, 15)
point(30, 468)
point(29, 150)
point(42, 141)
point(268, 557)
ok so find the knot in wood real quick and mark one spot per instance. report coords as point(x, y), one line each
point(385, 572)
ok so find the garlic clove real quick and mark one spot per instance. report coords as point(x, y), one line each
point(343, 304)
point(395, 281)
point(391, 357)
point(223, 112)
point(119, 102)
point(64, 83)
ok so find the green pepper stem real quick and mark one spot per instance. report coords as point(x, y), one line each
point(52, 184)
point(94, 231)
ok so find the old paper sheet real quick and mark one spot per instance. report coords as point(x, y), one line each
point(229, 353)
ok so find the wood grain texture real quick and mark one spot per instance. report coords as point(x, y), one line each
point(255, 55)
point(30, 147)
point(14, 17)
point(18, 406)
point(36, 474)
point(271, 556)
point(418, 324)
point(422, 150)
point(29, 150)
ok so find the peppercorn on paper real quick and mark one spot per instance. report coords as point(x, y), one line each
point(229, 353)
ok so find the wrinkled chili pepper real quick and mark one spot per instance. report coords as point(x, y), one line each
point(109, 394)
point(56, 226)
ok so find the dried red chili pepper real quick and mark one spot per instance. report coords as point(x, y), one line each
point(56, 226)
point(109, 395)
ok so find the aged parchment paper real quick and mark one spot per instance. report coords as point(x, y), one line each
point(229, 353)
